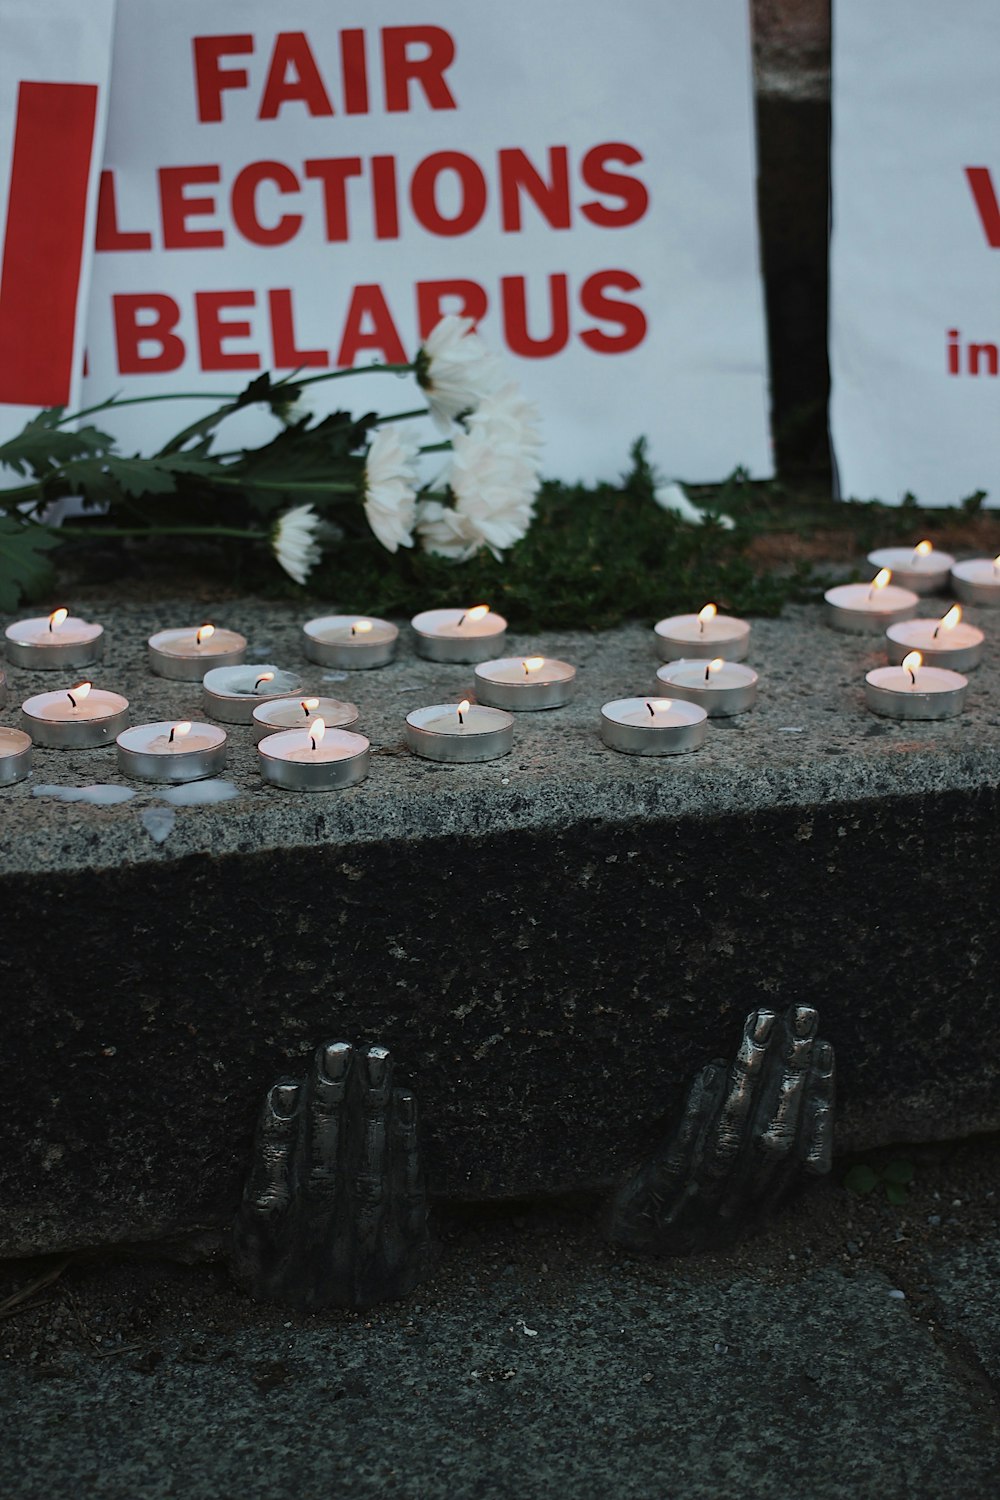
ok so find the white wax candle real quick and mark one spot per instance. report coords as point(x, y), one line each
point(652, 713)
point(75, 708)
point(13, 742)
point(704, 675)
point(866, 607)
point(529, 670)
point(155, 739)
point(459, 624)
point(295, 713)
point(653, 726)
point(351, 630)
point(297, 745)
point(958, 645)
point(913, 568)
point(40, 632)
point(185, 643)
point(706, 634)
point(444, 719)
point(977, 580)
point(915, 692)
point(251, 681)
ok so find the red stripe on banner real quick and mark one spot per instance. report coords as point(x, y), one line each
point(43, 245)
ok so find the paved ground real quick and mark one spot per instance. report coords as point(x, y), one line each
point(852, 1351)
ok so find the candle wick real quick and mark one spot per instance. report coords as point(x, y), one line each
point(170, 736)
point(707, 671)
point(460, 623)
point(937, 627)
point(312, 741)
point(71, 699)
point(652, 713)
point(913, 675)
point(461, 717)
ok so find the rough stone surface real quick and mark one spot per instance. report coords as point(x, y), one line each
point(967, 1280)
point(550, 943)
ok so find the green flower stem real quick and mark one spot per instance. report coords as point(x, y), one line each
point(125, 531)
point(308, 486)
point(401, 416)
point(358, 370)
point(444, 447)
point(114, 403)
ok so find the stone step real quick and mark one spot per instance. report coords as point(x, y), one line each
point(550, 943)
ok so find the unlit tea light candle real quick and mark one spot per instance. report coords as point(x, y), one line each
point(913, 691)
point(15, 755)
point(459, 635)
point(722, 688)
point(54, 642)
point(922, 568)
point(866, 608)
point(351, 642)
point(296, 713)
point(186, 655)
point(184, 751)
point(232, 693)
point(81, 718)
point(977, 581)
point(653, 726)
point(523, 684)
point(314, 758)
point(948, 642)
point(703, 636)
point(460, 733)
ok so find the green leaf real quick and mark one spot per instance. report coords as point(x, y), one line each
point(303, 455)
point(895, 1192)
point(861, 1180)
point(23, 569)
point(898, 1171)
point(40, 447)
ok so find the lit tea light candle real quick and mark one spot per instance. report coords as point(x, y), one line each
point(864, 608)
point(295, 713)
point(81, 718)
point(653, 726)
point(184, 751)
point(523, 684)
point(314, 758)
point(231, 693)
point(913, 691)
point(459, 635)
point(350, 642)
point(977, 581)
point(15, 755)
point(922, 569)
point(948, 642)
point(722, 688)
point(459, 732)
point(703, 636)
point(186, 655)
point(54, 642)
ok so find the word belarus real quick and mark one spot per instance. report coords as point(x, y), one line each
point(447, 194)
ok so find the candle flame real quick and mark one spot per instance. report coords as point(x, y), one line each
point(951, 619)
point(996, 563)
point(317, 729)
point(264, 677)
point(659, 706)
point(361, 627)
point(463, 709)
point(57, 617)
point(533, 664)
point(911, 661)
point(76, 695)
point(179, 731)
point(308, 704)
point(204, 633)
point(475, 613)
point(880, 580)
point(922, 549)
point(709, 612)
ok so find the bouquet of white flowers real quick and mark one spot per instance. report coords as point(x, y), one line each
point(286, 493)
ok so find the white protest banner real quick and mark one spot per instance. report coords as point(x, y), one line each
point(55, 57)
point(915, 252)
point(315, 186)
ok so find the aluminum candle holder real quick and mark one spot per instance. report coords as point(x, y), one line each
point(54, 643)
point(186, 655)
point(439, 733)
point(231, 694)
point(929, 693)
point(297, 713)
point(721, 688)
point(352, 642)
point(15, 755)
point(172, 752)
point(702, 637)
point(653, 726)
point(296, 761)
point(922, 569)
point(977, 581)
point(959, 646)
point(459, 635)
point(524, 684)
point(75, 719)
point(864, 609)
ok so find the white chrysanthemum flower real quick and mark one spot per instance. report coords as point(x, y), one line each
point(390, 487)
point(674, 498)
point(455, 369)
point(494, 479)
point(294, 543)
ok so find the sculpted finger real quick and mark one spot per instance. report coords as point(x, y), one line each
point(328, 1084)
point(818, 1112)
point(408, 1182)
point(780, 1125)
point(730, 1130)
point(370, 1179)
point(269, 1185)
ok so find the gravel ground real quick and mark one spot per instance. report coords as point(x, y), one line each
point(852, 1350)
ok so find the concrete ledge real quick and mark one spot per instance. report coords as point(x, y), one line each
point(550, 943)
